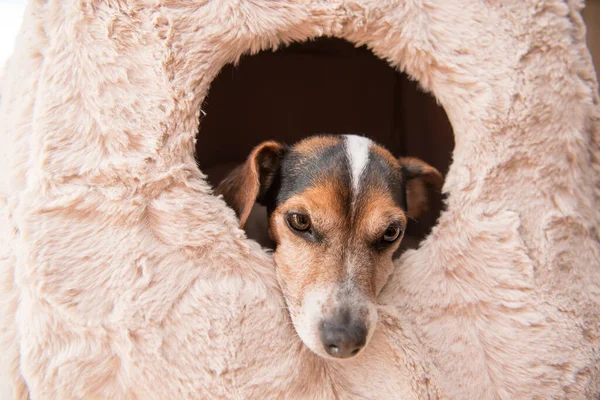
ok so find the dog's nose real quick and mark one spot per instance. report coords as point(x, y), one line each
point(343, 340)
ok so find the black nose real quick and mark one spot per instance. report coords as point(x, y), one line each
point(343, 339)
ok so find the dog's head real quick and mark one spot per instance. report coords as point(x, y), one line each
point(337, 209)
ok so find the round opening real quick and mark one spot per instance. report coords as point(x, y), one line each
point(322, 86)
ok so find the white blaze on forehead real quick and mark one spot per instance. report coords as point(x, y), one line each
point(357, 149)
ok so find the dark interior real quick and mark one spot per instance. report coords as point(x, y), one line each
point(322, 86)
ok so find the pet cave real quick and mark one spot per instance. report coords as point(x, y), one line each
point(122, 276)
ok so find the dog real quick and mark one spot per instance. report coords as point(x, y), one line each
point(337, 208)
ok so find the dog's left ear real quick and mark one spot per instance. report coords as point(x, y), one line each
point(249, 181)
point(418, 174)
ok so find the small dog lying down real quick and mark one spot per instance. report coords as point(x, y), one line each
point(337, 207)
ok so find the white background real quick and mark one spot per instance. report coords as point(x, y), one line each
point(11, 18)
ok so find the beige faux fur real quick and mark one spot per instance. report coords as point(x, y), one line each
point(123, 277)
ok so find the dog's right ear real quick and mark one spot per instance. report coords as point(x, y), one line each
point(246, 183)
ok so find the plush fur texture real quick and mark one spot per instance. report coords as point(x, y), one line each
point(122, 276)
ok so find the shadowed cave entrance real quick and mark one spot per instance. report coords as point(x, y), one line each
point(322, 86)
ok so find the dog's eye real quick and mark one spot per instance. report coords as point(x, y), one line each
point(392, 233)
point(299, 222)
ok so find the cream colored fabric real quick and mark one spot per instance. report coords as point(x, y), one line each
point(123, 277)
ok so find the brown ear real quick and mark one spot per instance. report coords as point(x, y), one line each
point(418, 174)
point(246, 183)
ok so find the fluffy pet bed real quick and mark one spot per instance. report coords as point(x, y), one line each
point(124, 277)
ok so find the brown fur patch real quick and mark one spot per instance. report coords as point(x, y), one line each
point(378, 210)
point(385, 154)
point(421, 169)
point(314, 144)
point(421, 174)
point(245, 183)
point(303, 264)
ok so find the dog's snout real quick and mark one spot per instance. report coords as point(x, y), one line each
point(343, 339)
